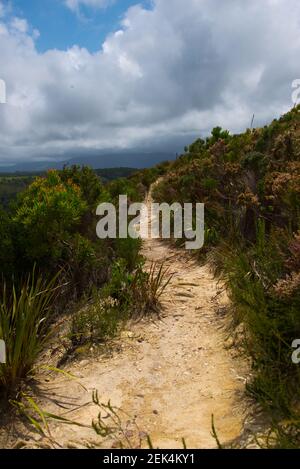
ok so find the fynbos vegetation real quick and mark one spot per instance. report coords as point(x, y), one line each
point(250, 184)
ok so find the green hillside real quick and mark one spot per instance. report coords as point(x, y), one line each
point(250, 184)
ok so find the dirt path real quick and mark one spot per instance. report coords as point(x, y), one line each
point(171, 374)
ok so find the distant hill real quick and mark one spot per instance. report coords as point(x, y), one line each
point(134, 159)
point(111, 174)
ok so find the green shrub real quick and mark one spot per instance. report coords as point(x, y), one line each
point(128, 249)
point(49, 210)
point(54, 226)
point(140, 291)
point(24, 323)
point(7, 251)
point(97, 322)
point(126, 295)
point(84, 177)
point(272, 321)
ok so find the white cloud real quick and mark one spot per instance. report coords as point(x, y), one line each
point(168, 75)
point(19, 24)
point(75, 4)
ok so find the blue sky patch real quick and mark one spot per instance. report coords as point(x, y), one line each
point(61, 28)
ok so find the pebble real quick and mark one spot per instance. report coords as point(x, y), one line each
point(84, 363)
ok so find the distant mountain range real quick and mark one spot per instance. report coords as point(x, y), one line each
point(102, 161)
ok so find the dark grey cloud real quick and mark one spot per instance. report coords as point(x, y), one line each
point(168, 75)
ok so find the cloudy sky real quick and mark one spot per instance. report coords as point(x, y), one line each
point(92, 75)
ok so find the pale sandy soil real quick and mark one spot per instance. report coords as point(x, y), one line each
point(170, 374)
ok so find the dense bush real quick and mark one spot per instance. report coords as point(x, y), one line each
point(7, 253)
point(54, 228)
point(49, 211)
